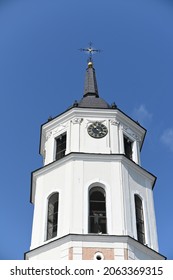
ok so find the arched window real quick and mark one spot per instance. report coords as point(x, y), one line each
point(52, 216)
point(139, 220)
point(97, 211)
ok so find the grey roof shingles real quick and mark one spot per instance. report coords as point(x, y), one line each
point(91, 97)
point(91, 101)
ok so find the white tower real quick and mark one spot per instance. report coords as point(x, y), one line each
point(92, 199)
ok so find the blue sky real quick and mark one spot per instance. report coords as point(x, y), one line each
point(42, 73)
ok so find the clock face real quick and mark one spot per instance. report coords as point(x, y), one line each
point(97, 130)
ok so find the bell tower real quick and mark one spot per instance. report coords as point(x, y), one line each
point(92, 198)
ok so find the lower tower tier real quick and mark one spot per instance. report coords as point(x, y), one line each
point(93, 247)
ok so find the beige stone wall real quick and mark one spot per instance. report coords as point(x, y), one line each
point(70, 254)
point(126, 254)
point(89, 253)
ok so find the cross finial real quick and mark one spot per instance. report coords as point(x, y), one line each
point(90, 50)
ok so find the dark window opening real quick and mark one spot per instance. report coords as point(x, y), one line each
point(52, 217)
point(60, 146)
point(97, 211)
point(128, 147)
point(139, 220)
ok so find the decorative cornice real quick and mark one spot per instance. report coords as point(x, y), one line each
point(114, 122)
point(48, 135)
point(77, 120)
point(59, 128)
point(131, 134)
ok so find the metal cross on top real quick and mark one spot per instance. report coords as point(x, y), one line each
point(90, 51)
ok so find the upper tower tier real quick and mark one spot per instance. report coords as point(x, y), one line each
point(69, 132)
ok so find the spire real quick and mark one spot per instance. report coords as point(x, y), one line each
point(91, 97)
point(90, 87)
point(90, 78)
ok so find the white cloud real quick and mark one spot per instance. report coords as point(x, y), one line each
point(141, 114)
point(167, 138)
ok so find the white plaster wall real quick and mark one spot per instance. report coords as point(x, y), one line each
point(74, 175)
point(75, 124)
point(137, 183)
point(73, 178)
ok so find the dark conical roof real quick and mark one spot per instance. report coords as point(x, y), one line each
point(91, 97)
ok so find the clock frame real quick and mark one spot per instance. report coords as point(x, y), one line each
point(97, 130)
